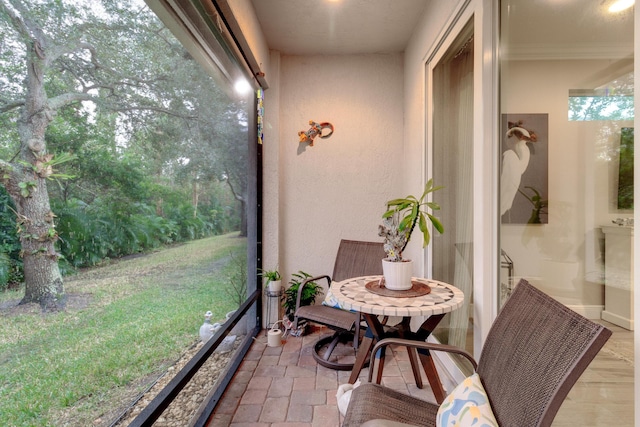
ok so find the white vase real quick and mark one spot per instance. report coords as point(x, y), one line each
point(397, 275)
point(275, 286)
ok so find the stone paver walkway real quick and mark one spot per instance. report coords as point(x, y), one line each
point(285, 387)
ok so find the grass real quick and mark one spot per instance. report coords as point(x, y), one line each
point(125, 324)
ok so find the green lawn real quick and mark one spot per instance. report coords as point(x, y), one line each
point(125, 324)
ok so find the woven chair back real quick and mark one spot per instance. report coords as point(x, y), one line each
point(356, 258)
point(534, 353)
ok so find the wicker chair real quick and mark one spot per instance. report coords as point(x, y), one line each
point(535, 352)
point(354, 259)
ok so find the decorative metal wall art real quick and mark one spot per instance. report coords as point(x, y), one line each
point(316, 129)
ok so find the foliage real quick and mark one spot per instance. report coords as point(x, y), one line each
point(140, 316)
point(236, 278)
point(10, 260)
point(309, 292)
point(625, 169)
point(157, 151)
point(401, 217)
point(270, 275)
point(539, 205)
point(5, 269)
point(602, 107)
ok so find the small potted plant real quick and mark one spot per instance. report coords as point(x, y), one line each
point(398, 223)
point(273, 280)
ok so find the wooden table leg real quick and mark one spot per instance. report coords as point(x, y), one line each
point(427, 360)
point(375, 332)
point(432, 376)
point(415, 366)
point(361, 357)
point(404, 331)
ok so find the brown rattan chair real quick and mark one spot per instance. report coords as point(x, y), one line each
point(354, 259)
point(535, 352)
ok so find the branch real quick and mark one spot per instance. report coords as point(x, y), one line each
point(156, 109)
point(24, 25)
point(11, 105)
point(18, 23)
point(77, 46)
point(69, 98)
point(233, 191)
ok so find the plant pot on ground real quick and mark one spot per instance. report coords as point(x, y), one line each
point(398, 224)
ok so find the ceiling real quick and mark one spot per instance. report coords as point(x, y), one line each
point(323, 27)
point(565, 29)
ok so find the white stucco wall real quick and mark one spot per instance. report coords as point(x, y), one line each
point(375, 102)
point(337, 188)
point(271, 168)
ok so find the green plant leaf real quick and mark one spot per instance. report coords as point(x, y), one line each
point(433, 206)
point(436, 223)
point(404, 224)
point(425, 230)
point(388, 214)
point(396, 202)
point(411, 211)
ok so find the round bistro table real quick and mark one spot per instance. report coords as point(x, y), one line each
point(353, 294)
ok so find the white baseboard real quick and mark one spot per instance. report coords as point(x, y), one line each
point(589, 311)
point(623, 322)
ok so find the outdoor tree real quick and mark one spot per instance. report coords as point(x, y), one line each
point(65, 55)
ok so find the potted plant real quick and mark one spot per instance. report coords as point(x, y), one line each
point(398, 223)
point(308, 296)
point(273, 280)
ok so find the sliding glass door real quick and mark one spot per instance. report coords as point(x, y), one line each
point(452, 145)
point(566, 183)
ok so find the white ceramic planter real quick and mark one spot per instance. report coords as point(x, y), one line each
point(397, 275)
point(274, 286)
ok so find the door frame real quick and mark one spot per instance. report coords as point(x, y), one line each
point(486, 260)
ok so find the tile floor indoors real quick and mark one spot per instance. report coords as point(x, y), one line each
point(285, 387)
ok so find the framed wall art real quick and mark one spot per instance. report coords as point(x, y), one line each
point(524, 172)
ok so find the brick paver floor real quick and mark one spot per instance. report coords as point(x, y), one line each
point(285, 387)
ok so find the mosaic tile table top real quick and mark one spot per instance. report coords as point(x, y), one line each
point(352, 294)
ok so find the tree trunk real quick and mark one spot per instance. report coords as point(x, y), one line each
point(40, 259)
point(27, 184)
point(195, 197)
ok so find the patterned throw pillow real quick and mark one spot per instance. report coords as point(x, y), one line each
point(467, 405)
point(331, 301)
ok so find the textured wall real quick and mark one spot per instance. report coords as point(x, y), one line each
point(337, 188)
